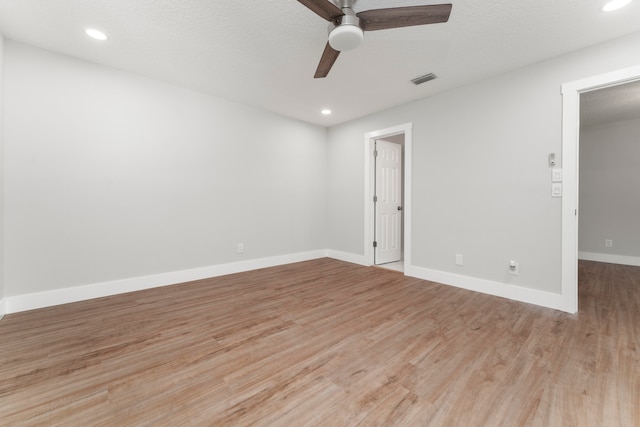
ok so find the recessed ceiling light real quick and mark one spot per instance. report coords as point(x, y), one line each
point(615, 5)
point(95, 34)
point(326, 111)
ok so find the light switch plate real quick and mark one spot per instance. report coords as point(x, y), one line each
point(556, 175)
point(556, 189)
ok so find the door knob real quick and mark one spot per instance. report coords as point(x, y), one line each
point(399, 208)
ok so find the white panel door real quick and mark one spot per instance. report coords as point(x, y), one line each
point(388, 202)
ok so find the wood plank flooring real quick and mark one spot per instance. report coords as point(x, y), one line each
point(326, 343)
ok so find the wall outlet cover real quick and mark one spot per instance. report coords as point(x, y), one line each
point(514, 267)
point(459, 259)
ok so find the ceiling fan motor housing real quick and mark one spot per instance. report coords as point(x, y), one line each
point(347, 34)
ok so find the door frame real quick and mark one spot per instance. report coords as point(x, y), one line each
point(570, 164)
point(369, 189)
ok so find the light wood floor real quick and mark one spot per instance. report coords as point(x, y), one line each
point(327, 343)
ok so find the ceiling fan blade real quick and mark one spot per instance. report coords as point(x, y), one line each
point(329, 57)
point(396, 17)
point(323, 8)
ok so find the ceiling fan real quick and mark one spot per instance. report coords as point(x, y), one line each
point(346, 28)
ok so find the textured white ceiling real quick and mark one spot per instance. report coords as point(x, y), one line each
point(264, 53)
point(611, 104)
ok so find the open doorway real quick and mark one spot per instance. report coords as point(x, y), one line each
point(571, 93)
point(609, 161)
point(387, 211)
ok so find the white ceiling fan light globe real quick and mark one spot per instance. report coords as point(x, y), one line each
point(346, 37)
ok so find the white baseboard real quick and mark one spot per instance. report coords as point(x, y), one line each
point(32, 301)
point(347, 257)
point(610, 258)
point(36, 300)
point(504, 290)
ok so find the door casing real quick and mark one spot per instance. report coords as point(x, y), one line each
point(369, 190)
point(570, 151)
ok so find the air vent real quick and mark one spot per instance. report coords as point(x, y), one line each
point(422, 79)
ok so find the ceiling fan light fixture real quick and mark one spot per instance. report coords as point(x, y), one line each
point(346, 37)
point(346, 27)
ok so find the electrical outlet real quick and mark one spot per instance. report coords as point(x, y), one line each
point(514, 267)
point(240, 248)
point(608, 243)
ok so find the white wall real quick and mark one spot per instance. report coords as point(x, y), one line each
point(609, 188)
point(112, 176)
point(481, 181)
point(2, 302)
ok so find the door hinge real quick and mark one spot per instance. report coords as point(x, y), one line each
point(375, 244)
point(375, 199)
point(375, 153)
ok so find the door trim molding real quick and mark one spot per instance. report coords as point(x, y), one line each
point(369, 180)
point(570, 151)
